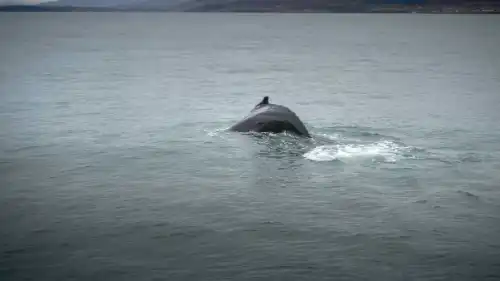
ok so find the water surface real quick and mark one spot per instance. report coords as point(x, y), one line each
point(115, 163)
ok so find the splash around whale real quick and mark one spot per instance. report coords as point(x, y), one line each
point(272, 118)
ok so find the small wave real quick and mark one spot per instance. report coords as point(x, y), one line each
point(469, 157)
point(468, 194)
point(353, 134)
point(383, 151)
point(334, 137)
point(216, 132)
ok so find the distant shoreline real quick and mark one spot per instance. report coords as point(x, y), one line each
point(373, 10)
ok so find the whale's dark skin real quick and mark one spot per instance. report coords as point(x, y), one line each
point(273, 118)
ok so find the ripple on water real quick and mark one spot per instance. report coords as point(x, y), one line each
point(468, 194)
point(344, 143)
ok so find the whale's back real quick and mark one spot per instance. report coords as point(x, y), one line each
point(271, 118)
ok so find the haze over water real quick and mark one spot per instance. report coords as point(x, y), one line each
point(115, 163)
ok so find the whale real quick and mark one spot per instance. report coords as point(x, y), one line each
point(271, 118)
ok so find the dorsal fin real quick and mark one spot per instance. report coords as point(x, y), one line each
point(265, 100)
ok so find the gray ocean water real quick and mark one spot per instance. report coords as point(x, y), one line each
point(116, 163)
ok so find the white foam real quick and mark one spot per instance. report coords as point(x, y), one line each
point(385, 151)
point(216, 132)
point(333, 137)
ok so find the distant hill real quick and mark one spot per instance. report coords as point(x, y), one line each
point(156, 5)
point(236, 5)
point(329, 6)
point(89, 3)
point(354, 6)
point(39, 8)
point(279, 5)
